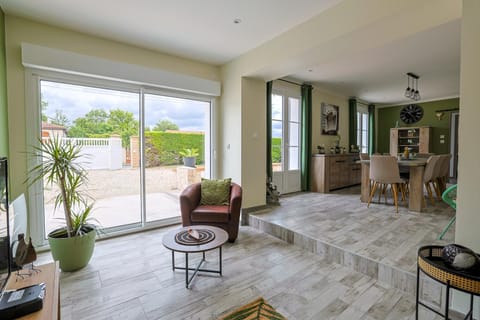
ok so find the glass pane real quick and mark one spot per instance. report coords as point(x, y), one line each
point(364, 121)
point(293, 159)
point(277, 146)
point(293, 109)
point(106, 124)
point(294, 129)
point(277, 107)
point(175, 130)
point(359, 129)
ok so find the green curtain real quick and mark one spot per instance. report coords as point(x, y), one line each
point(306, 137)
point(269, 131)
point(352, 122)
point(371, 129)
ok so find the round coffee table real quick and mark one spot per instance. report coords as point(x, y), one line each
point(214, 238)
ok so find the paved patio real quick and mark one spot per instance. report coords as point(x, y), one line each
point(117, 196)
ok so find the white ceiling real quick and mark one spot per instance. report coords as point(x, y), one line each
point(204, 31)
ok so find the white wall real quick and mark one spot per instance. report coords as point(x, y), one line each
point(254, 137)
point(468, 212)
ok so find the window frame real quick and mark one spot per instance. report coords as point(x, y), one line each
point(33, 77)
point(361, 112)
point(287, 93)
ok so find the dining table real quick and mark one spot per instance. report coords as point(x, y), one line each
point(416, 168)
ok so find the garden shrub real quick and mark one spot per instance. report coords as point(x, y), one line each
point(163, 148)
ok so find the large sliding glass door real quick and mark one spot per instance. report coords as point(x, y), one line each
point(173, 126)
point(132, 143)
point(103, 121)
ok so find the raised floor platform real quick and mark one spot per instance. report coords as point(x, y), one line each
point(372, 240)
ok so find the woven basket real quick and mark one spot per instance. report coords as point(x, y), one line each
point(430, 261)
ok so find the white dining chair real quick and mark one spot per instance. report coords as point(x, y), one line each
point(384, 171)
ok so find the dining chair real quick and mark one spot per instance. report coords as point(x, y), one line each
point(429, 175)
point(364, 156)
point(443, 174)
point(384, 171)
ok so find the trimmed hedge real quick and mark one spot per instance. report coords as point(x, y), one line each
point(162, 148)
point(276, 150)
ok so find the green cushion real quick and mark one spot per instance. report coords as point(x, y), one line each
point(215, 192)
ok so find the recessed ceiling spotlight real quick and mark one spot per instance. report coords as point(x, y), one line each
point(237, 21)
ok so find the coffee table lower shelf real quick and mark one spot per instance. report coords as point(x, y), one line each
point(219, 238)
point(187, 269)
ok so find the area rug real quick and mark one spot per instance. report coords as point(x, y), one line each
point(256, 310)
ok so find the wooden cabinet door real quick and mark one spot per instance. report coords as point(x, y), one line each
point(424, 140)
point(394, 141)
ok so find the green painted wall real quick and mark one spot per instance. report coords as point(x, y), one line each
point(3, 90)
point(388, 117)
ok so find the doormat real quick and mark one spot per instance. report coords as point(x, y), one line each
point(256, 310)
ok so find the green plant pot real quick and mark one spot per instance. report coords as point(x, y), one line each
point(73, 253)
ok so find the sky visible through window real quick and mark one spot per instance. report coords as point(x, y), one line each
point(76, 101)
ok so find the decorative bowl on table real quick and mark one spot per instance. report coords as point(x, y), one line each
point(459, 257)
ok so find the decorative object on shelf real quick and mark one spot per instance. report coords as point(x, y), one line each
point(411, 113)
point(194, 237)
point(194, 234)
point(406, 153)
point(24, 254)
point(439, 115)
point(459, 257)
point(412, 92)
point(354, 148)
point(273, 195)
point(329, 119)
point(321, 149)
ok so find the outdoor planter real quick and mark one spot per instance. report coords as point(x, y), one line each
point(189, 161)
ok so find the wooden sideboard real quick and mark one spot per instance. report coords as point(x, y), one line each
point(334, 171)
point(50, 275)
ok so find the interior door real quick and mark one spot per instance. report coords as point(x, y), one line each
point(286, 142)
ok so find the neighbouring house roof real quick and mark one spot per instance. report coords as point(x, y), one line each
point(51, 126)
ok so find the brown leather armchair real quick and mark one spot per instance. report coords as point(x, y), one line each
point(226, 217)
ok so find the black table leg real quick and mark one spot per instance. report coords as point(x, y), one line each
point(186, 270)
point(220, 259)
point(447, 299)
point(418, 292)
point(471, 307)
point(197, 269)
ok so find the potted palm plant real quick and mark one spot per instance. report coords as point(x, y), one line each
point(189, 157)
point(73, 244)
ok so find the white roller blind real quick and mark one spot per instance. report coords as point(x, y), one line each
point(44, 58)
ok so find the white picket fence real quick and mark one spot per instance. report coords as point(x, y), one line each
point(99, 153)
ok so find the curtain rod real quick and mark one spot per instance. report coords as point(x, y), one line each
point(298, 84)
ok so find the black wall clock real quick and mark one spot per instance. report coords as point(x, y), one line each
point(411, 113)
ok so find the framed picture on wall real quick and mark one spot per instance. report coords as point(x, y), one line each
point(329, 119)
